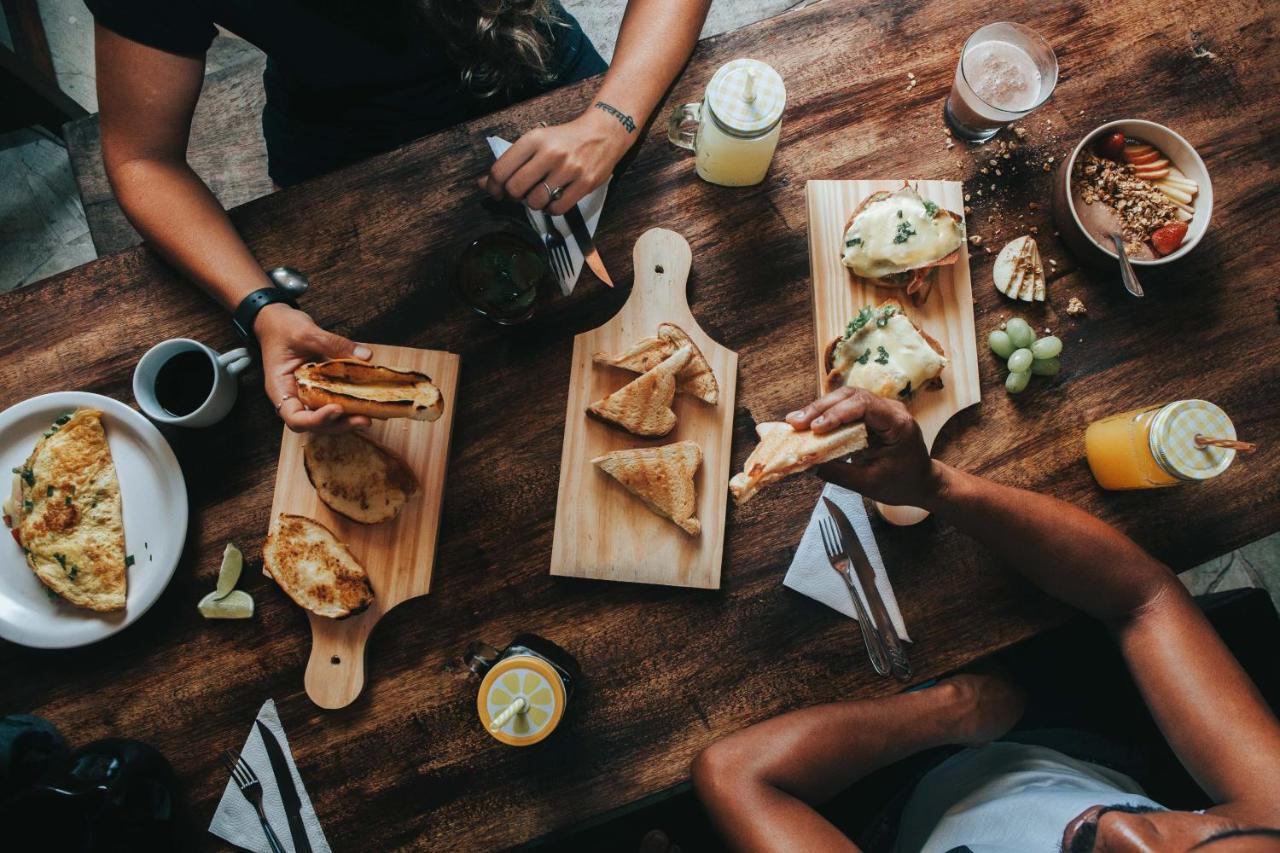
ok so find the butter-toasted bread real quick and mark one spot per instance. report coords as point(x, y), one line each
point(784, 451)
point(361, 388)
point(696, 378)
point(357, 477)
point(662, 477)
point(643, 405)
point(315, 569)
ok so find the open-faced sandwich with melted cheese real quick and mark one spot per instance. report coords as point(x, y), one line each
point(898, 239)
point(885, 352)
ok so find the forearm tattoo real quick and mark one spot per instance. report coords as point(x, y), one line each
point(625, 120)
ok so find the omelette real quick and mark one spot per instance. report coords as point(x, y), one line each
point(68, 515)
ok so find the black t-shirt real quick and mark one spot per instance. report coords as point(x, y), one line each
point(344, 80)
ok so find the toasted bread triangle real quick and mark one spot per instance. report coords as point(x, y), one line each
point(696, 378)
point(643, 405)
point(662, 477)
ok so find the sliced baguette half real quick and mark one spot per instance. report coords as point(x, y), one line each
point(662, 477)
point(361, 388)
point(315, 569)
point(643, 405)
point(358, 478)
point(784, 451)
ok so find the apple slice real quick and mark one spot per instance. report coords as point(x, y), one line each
point(1139, 159)
point(1136, 149)
point(1175, 192)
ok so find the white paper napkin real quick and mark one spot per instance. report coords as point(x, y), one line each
point(811, 573)
point(591, 204)
point(237, 821)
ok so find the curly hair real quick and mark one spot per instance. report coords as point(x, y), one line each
point(499, 45)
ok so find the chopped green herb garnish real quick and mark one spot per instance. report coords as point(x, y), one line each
point(72, 572)
point(53, 596)
point(862, 359)
point(29, 476)
point(905, 232)
point(885, 313)
point(63, 419)
point(883, 357)
point(899, 214)
point(17, 470)
point(863, 318)
point(906, 392)
point(128, 561)
point(62, 560)
point(28, 506)
point(68, 500)
point(853, 241)
point(48, 493)
point(930, 209)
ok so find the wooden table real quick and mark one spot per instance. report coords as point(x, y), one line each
point(669, 670)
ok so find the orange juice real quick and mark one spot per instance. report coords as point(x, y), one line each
point(1155, 447)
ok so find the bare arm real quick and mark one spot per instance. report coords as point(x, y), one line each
point(654, 42)
point(146, 98)
point(1189, 679)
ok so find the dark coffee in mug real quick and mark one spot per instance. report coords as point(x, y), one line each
point(184, 382)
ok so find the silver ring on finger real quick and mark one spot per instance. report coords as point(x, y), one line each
point(553, 193)
point(286, 398)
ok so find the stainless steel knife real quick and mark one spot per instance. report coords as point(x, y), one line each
point(288, 793)
point(582, 236)
point(898, 663)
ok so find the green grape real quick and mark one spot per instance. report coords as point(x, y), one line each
point(1047, 347)
point(1020, 332)
point(1020, 361)
point(1046, 366)
point(1000, 343)
point(1016, 382)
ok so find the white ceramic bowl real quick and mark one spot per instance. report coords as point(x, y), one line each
point(1180, 153)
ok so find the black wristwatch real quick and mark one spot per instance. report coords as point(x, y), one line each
point(288, 285)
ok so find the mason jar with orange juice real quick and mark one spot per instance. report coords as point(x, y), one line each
point(1181, 442)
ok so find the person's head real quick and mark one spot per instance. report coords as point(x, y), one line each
point(500, 45)
point(1143, 829)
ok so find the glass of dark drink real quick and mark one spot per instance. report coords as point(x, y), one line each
point(504, 274)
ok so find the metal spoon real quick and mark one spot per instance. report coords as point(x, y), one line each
point(1127, 274)
point(290, 279)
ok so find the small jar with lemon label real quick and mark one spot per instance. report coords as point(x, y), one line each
point(525, 690)
point(1186, 441)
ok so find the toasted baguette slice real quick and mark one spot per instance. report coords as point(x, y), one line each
point(917, 281)
point(358, 478)
point(696, 379)
point(315, 569)
point(784, 451)
point(911, 360)
point(662, 477)
point(643, 405)
point(361, 388)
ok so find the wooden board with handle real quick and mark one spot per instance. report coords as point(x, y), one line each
point(399, 554)
point(602, 530)
point(947, 314)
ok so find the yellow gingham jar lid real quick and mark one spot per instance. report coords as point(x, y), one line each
point(1173, 439)
point(742, 112)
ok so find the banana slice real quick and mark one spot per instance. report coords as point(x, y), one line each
point(236, 604)
point(1017, 272)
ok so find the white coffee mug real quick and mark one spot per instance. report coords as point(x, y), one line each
point(226, 367)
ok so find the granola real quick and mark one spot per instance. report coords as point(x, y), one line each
point(1142, 207)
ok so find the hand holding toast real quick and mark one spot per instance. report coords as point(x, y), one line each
point(288, 338)
point(895, 468)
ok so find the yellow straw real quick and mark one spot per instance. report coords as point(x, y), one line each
point(518, 706)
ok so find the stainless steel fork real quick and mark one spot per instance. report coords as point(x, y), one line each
point(558, 249)
point(247, 781)
point(834, 546)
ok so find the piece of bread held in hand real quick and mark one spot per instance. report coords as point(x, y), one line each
point(643, 405)
point(662, 477)
point(784, 451)
point(695, 379)
point(361, 388)
point(315, 569)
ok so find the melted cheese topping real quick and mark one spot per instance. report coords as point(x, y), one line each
point(898, 234)
point(889, 361)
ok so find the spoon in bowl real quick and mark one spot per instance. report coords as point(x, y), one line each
point(1127, 274)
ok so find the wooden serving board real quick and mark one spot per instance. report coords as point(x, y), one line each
point(399, 554)
point(602, 530)
point(947, 315)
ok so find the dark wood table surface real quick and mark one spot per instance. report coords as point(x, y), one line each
point(669, 670)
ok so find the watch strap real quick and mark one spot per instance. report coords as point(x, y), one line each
point(247, 311)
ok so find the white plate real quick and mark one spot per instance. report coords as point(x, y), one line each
point(154, 495)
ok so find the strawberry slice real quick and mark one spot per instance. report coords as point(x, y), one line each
point(1167, 238)
point(1111, 146)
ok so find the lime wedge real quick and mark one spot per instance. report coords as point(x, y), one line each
point(236, 604)
point(229, 574)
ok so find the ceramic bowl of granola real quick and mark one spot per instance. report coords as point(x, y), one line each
point(1139, 179)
